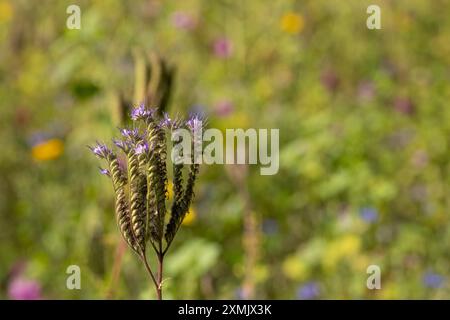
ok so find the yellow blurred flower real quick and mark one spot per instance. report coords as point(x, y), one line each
point(189, 218)
point(6, 11)
point(292, 23)
point(294, 268)
point(47, 150)
point(345, 247)
point(261, 273)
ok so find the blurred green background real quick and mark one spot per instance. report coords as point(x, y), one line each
point(364, 147)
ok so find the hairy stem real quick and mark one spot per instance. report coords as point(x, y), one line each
point(149, 270)
point(160, 276)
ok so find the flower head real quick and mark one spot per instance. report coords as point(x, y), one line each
point(166, 122)
point(105, 172)
point(195, 122)
point(141, 147)
point(123, 145)
point(100, 150)
point(130, 134)
point(141, 112)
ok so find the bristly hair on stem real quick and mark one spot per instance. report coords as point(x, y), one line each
point(140, 184)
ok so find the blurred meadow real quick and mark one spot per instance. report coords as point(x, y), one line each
point(364, 147)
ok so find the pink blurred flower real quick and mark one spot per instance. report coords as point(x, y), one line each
point(404, 105)
point(222, 48)
point(23, 289)
point(224, 108)
point(183, 20)
point(329, 79)
point(366, 91)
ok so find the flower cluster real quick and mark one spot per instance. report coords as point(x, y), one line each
point(141, 185)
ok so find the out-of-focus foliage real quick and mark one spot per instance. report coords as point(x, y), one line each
point(364, 146)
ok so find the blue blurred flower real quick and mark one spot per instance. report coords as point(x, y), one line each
point(239, 294)
point(37, 138)
point(198, 109)
point(270, 226)
point(369, 214)
point(308, 291)
point(433, 280)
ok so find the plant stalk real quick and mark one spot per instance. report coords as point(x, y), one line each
point(160, 276)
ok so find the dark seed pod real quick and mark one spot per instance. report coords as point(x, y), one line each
point(122, 208)
point(138, 193)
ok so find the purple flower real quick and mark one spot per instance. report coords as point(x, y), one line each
point(308, 291)
point(195, 122)
point(184, 21)
point(105, 172)
point(23, 289)
point(368, 214)
point(141, 148)
point(100, 150)
point(122, 144)
point(433, 280)
point(166, 122)
point(131, 134)
point(222, 48)
point(141, 112)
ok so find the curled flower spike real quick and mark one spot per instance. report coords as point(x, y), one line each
point(100, 150)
